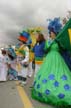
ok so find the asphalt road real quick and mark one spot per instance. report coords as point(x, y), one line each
point(9, 97)
point(12, 95)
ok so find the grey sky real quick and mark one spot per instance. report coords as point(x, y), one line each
point(17, 14)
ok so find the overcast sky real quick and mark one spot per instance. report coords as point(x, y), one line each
point(18, 14)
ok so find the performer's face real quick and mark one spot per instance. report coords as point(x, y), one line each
point(37, 37)
point(52, 35)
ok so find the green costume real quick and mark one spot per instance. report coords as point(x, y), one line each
point(52, 84)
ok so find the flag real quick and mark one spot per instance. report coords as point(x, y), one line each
point(64, 37)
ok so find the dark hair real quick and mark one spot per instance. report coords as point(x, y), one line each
point(3, 52)
point(40, 37)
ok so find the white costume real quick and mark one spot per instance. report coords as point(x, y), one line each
point(3, 67)
point(25, 61)
point(22, 70)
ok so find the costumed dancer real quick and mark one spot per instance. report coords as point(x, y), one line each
point(24, 62)
point(3, 65)
point(52, 84)
point(12, 72)
point(31, 54)
point(39, 51)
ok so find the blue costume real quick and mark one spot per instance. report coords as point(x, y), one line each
point(39, 49)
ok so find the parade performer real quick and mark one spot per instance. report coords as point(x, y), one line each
point(32, 32)
point(52, 84)
point(39, 51)
point(12, 73)
point(31, 54)
point(24, 62)
point(3, 65)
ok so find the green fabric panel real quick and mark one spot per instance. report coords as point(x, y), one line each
point(63, 36)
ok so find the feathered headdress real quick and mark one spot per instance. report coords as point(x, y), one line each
point(54, 25)
point(25, 37)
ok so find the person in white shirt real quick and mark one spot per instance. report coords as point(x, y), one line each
point(3, 65)
point(24, 63)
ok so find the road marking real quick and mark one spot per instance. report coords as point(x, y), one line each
point(27, 103)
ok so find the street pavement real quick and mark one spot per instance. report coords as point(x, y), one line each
point(9, 97)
